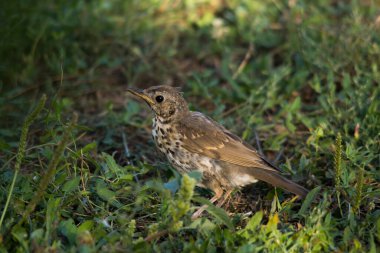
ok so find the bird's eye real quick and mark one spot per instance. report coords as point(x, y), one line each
point(159, 99)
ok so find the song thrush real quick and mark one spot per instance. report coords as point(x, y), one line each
point(193, 141)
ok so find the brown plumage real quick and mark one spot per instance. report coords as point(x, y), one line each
point(193, 141)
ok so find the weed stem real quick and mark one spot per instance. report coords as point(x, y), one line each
point(21, 150)
point(50, 171)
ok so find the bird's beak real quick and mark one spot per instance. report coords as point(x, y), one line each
point(140, 94)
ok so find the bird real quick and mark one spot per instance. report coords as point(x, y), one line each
point(192, 141)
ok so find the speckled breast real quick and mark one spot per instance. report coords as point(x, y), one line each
point(169, 143)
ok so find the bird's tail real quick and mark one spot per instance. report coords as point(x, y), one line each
point(274, 178)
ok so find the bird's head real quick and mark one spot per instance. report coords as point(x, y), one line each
point(166, 102)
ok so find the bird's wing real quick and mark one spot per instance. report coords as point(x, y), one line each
point(204, 136)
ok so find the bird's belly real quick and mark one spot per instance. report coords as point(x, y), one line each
point(236, 175)
point(240, 180)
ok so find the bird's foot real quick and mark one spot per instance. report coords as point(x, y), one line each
point(218, 198)
point(199, 212)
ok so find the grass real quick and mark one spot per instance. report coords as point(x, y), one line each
point(298, 79)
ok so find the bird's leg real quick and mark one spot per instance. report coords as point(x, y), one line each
point(217, 196)
point(223, 200)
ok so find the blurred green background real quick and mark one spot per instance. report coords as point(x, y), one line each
point(297, 79)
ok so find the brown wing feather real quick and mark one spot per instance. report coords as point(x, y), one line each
point(204, 136)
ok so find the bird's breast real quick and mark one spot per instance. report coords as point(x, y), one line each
point(162, 136)
point(169, 143)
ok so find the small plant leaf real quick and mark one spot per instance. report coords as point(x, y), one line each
point(106, 194)
point(252, 225)
point(69, 230)
point(71, 185)
point(172, 185)
point(197, 175)
point(217, 212)
point(205, 226)
point(308, 200)
point(254, 222)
